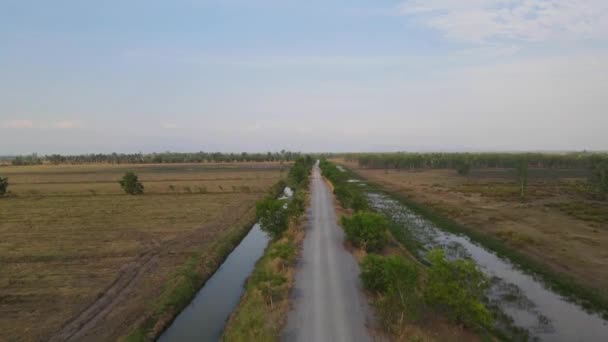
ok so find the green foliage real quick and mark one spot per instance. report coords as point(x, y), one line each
point(3, 185)
point(599, 178)
point(297, 206)
point(463, 167)
point(273, 217)
point(286, 251)
point(156, 158)
point(131, 184)
point(347, 194)
point(366, 230)
point(395, 280)
point(404, 160)
point(358, 201)
point(522, 176)
point(458, 288)
point(379, 274)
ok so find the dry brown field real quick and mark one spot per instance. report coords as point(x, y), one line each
point(73, 246)
point(557, 224)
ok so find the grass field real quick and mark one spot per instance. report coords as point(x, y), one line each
point(69, 237)
point(558, 224)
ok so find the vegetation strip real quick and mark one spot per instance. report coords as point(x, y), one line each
point(263, 308)
point(181, 288)
point(563, 284)
point(404, 291)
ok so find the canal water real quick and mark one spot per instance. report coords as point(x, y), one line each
point(531, 305)
point(205, 317)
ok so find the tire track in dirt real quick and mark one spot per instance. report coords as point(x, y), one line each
point(79, 326)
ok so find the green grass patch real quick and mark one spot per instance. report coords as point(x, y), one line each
point(590, 212)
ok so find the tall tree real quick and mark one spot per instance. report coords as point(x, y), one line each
point(522, 176)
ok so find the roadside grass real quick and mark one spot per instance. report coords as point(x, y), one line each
point(67, 231)
point(589, 298)
point(263, 309)
point(399, 284)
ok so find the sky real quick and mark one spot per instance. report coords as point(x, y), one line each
point(333, 75)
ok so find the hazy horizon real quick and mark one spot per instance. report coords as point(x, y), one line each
point(371, 76)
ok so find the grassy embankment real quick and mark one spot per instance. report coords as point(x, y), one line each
point(69, 232)
point(182, 286)
point(413, 301)
point(568, 197)
point(263, 308)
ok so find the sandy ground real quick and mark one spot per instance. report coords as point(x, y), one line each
point(328, 303)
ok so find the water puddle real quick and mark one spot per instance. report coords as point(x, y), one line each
point(205, 317)
point(527, 302)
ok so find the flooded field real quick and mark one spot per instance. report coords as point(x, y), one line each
point(525, 301)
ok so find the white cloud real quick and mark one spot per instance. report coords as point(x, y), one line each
point(526, 20)
point(18, 124)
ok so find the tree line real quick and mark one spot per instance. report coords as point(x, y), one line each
point(152, 158)
point(407, 160)
point(595, 163)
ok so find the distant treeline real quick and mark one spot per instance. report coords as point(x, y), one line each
point(152, 158)
point(404, 160)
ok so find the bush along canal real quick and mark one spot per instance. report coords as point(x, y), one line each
point(204, 318)
point(524, 306)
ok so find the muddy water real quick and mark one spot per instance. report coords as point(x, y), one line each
point(205, 317)
point(531, 306)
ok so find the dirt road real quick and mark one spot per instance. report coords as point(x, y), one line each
point(328, 303)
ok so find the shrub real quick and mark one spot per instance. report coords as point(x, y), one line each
point(297, 206)
point(3, 185)
point(396, 281)
point(457, 288)
point(366, 230)
point(273, 217)
point(379, 274)
point(358, 201)
point(131, 184)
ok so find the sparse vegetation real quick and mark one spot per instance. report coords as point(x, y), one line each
point(3, 185)
point(458, 289)
point(130, 184)
point(522, 177)
point(599, 178)
point(263, 308)
point(348, 195)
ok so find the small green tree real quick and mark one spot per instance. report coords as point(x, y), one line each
point(366, 230)
point(522, 176)
point(358, 201)
point(458, 288)
point(131, 184)
point(273, 217)
point(3, 185)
